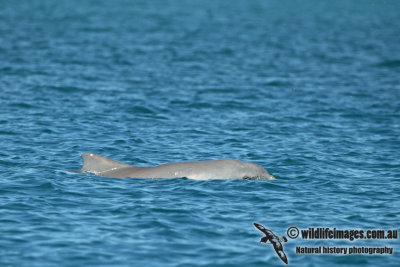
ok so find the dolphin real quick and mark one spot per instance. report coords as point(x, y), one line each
point(197, 170)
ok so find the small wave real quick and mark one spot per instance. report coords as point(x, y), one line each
point(65, 88)
point(395, 63)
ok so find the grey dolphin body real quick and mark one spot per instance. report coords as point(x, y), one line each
point(197, 170)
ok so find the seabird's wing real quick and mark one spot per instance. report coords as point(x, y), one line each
point(280, 252)
point(263, 229)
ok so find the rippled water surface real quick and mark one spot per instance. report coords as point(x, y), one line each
point(308, 89)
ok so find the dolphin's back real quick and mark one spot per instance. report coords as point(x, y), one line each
point(197, 170)
point(97, 164)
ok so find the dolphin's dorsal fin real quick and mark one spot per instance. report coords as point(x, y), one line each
point(97, 164)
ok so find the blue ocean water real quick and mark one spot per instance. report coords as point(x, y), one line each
point(308, 89)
